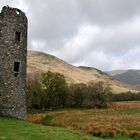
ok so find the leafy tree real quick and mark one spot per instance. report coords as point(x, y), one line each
point(56, 89)
point(52, 91)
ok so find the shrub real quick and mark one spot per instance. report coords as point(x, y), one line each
point(99, 95)
point(35, 95)
point(128, 96)
point(77, 94)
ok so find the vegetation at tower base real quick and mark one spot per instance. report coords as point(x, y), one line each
point(52, 92)
point(13, 53)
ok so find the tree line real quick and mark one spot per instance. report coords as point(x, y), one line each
point(51, 91)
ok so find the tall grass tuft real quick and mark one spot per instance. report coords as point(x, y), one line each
point(135, 135)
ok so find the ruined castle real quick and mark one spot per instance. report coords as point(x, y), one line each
point(13, 53)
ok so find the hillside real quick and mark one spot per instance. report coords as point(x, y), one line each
point(131, 77)
point(39, 62)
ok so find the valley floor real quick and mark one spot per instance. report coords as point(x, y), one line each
point(12, 129)
point(121, 118)
point(121, 122)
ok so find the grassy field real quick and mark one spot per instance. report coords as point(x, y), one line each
point(117, 123)
point(12, 129)
point(123, 119)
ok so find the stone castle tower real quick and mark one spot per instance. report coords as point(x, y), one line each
point(13, 52)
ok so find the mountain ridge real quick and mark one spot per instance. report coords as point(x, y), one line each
point(130, 76)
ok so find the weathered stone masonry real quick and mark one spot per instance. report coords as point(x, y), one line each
point(13, 53)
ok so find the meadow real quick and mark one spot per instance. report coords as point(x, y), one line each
point(13, 129)
point(123, 118)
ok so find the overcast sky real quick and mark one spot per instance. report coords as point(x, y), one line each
point(98, 33)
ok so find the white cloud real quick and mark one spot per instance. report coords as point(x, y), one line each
point(80, 44)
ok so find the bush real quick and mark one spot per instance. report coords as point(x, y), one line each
point(77, 94)
point(128, 96)
point(98, 95)
point(35, 95)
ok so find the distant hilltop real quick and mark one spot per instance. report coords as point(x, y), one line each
point(131, 76)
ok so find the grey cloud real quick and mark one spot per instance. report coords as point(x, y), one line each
point(109, 11)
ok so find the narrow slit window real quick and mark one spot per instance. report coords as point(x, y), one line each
point(17, 36)
point(16, 68)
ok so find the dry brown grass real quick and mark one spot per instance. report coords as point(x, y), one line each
point(135, 134)
point(127, 105)
point(120, 119)
point(36, 118)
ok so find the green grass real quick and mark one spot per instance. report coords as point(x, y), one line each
point(132, 111)
point(12, 129)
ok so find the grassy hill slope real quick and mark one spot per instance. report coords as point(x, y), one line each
point(39, 62)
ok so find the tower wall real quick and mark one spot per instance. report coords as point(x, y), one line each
point(13, 53)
